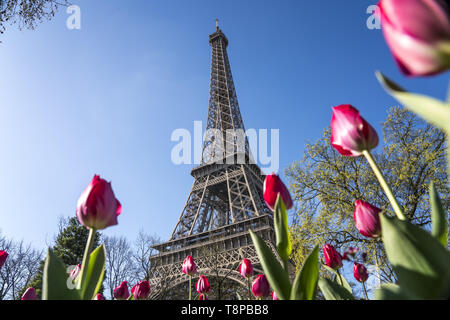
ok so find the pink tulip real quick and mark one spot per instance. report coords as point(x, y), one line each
point(203, 285)
point(260, 286)
point(97, 206)
point(202, 297)
point(30, 294)
point(360, 272)
point(332, 258)
point(141, 291)
point(246, 269)
point(418, 34)
point(75, 271)
point(367, 219)
point(350, 133)
point(121, 292)
point(349, 252)
point(274, 186)
point(274, 295)
point(3, 256)
point(189, 266)
point(99, 297)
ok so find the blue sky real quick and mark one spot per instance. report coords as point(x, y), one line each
point(105, 99)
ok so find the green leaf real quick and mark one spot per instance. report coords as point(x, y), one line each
point(276, 275)
point(430, 109)
point(280, 221)
point(438, 217)
point(238, 296)
point(338, 278)
point(391, 291)
point(333, 291)
point(55, 279)
point(419, 260)
point(94, 274)
point(305, 283)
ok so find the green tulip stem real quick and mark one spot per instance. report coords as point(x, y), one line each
point(190, 287)
point(249, 290)
point(365, 291)
point(398, 211)
point(87, 253)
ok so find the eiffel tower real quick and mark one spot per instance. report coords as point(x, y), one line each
point(225, 200)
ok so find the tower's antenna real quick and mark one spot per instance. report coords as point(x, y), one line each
point(217, 24)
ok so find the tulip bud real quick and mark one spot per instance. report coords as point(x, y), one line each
point(189, 266)
point(332, 258)
point(360, 272)
point(121, 292)
point(246, 269)
point(203, 285)
point(30, 294)
point(418, 34)
point(3, 256)
point(141, 291)
point(274, 295)
point(274, 186)
point(99, 297)
point(367, 219)
point(202, 297)
point(350, 133)
point(350, 252)
point(75, 271)
point(260, 287)
point(97, 206)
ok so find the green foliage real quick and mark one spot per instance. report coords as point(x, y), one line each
point(325, 185)
point(305, 283)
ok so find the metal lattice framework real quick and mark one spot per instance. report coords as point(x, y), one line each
point(225, 200)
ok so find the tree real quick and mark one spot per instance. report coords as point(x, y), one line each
point(325, 186)
point(143, 250)
point(69, 245)
point(27, 13)
point(20, 267)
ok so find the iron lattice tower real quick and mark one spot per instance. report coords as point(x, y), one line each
point(225, 200)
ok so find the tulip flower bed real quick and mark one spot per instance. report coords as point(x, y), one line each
point(418, 33)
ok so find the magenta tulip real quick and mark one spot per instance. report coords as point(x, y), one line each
point(141, 290)
point(121, 292)
point(30, 294)
point(75, 271)
point(274, 295)
point(274, 186)
point(418, 34)
point(350, 133)
point(360, 272)
point(203, 285)
point(350, 252)
point(3, 257)
point(99, 296)
point(333, 258)
point(246, 269)
point(367, 219)
point(97, 206)
point(189, 266)
point(261, 287)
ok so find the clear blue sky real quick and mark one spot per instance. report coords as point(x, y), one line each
point(105, 99)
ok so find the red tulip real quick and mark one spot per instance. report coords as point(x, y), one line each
point(418, 34)
point(202, 297)
point(3, 256)
point(75, 271)
point(30, 294)
point(141, 291)
point(274, 186)
point(367, 219)
point(349, 252)
point(203, 285)
point(97, 206)
point(121, 292)
point(332, 258)
point(350, 133)
point(99, 297)
point(274, 295)
point(360, 272)
point(260, 286)
point(246, 268)
point(189, 266)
